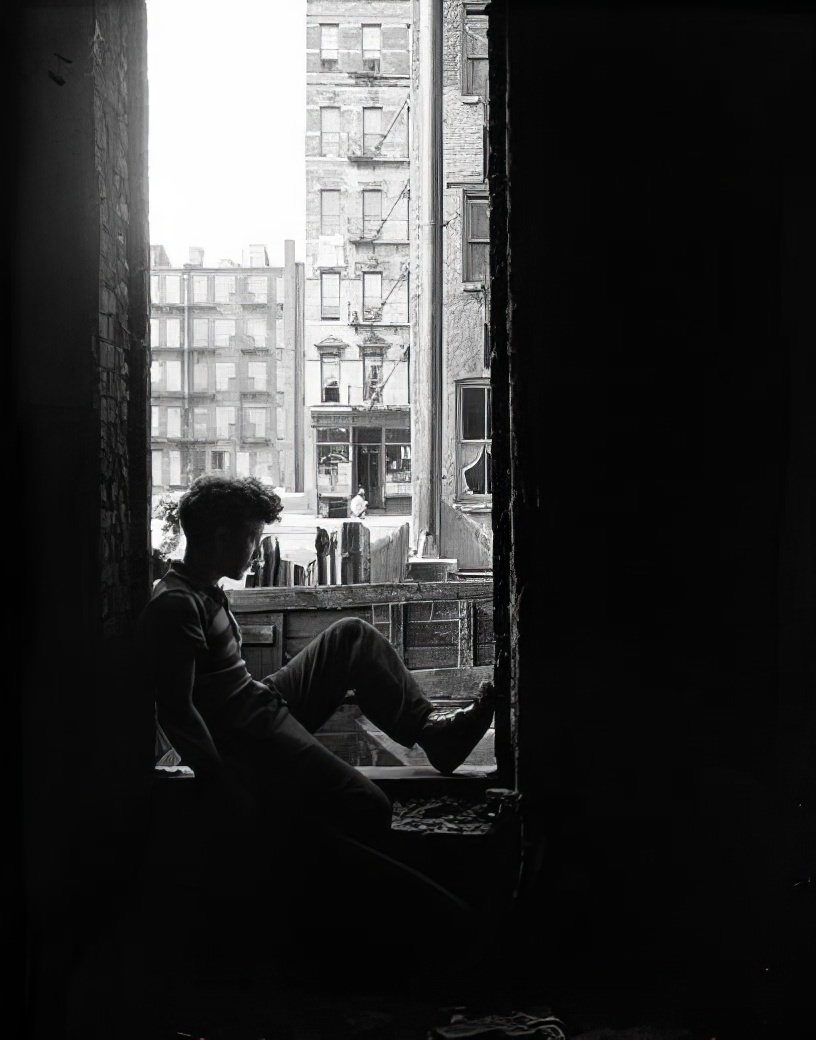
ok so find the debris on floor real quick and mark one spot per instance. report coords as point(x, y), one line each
point(444, 815)
point(516, 1024)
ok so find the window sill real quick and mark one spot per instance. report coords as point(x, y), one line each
point(481, 506)
point(473, 286)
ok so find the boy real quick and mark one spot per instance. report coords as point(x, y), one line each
point(242, 735)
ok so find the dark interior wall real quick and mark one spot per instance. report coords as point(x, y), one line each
point(660, 448)
point(77, 93)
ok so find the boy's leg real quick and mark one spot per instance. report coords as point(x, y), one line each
point(353, 655)
point(299, 782)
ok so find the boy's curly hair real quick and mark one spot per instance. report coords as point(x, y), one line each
point(212, 502)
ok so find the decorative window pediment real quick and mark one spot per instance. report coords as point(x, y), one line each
point(331, 345)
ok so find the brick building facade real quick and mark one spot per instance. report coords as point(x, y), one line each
point(226, 349)
point(357, 328)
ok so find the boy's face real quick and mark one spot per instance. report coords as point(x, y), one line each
point(237, 547)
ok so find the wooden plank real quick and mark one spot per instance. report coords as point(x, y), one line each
point(334, 597)
point(431, 611)
point(397, 611)
point(466, 626)
point(258, 634)
point(451, 683)
point(262, 660)
point(484, 654)
point(433, 633)
point(355, 555)
point(322, 543)
point(308, 624)
point(431, 656)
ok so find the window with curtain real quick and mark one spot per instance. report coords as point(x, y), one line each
point(474, 439)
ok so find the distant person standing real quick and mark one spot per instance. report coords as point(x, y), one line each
point(358, 507)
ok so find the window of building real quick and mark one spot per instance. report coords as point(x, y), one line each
point(224, 422)
point(201, 332)
point(476, 238)
point(255, 422)
point(172, 288)
point(218, 460)
point(474, 56)
point(330, 294)
point(201, 373)
point(200, 423)
point(280, 415)
point(372, 212)
point(223, 331)
point(329, 212)
point(154, 421)
point(173, 422)
point(172, 375)
point(243, 464)
point(201, 288)
point(330, 378)
point(372, 130)
point(329, 46)
point(172, 332)
point(174, 458)
point(155, 288)
point(333, 459)
point(258, 285)
point(224, 372)
point(256, 330)
point(224, 287)
point(372, 47)
point(397, 457)
point(156, 475)
point(395, 303)
point(474, 440)
point(372, 295)
point(154, 332)
point(372, 377)
point(256, 373)
point(329, 130)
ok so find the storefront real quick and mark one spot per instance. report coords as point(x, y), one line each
point(369, 448)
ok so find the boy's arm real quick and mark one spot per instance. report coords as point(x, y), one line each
point(180, 719)
point(172, 636)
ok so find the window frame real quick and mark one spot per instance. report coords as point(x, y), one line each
point(364, 279)
point(329, 360)
point(470, 198)
point(325, 194)
point(329, 56)
point(372, 61)
point(325, 134)
point(470, 13)
point(373, 149)
point(325, 276)
point(463, 494)
point(367, 220)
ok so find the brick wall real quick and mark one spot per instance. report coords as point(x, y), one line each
point(120, 346)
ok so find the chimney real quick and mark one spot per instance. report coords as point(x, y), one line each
point(256, 256)
point(196, 254)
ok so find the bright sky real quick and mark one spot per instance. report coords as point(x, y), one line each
point(227, 82)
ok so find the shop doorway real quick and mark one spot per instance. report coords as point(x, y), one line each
point(368, 460)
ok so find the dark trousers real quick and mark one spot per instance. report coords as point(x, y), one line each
point(291, 773)
point(322, 855)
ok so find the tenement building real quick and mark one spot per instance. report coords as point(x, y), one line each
point(226, 368)
point(357, 280)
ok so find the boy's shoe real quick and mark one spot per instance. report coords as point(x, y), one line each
point(449, 736)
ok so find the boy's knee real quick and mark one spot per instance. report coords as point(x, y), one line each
point(355, 628)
